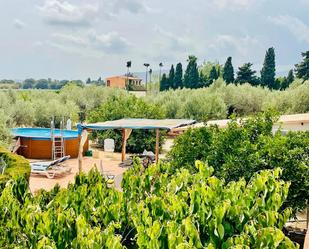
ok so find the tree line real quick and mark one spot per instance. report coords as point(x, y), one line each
point(202, 76)
point(48, 83)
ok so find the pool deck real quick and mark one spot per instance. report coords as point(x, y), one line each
point(110, 165)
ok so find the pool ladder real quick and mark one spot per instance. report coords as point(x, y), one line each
point(58, 149)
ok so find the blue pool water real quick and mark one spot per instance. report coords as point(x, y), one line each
point(42, 133)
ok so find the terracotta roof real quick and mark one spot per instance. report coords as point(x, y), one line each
point(124, 77)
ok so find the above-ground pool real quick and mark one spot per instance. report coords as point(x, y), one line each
point(36, 142)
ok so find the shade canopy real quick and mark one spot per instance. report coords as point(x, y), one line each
point(139, 123)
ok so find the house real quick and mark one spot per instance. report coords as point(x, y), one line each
point(122, 81)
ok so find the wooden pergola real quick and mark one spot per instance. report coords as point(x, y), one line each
point(127, 125)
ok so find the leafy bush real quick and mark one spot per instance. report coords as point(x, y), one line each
point(241, 150)
point(16, 166)
point(217, 100)
point(5, 134)
point(157, 209)
point(127, 106)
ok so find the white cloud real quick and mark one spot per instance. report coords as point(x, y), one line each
point(132, 6)
point(172, 41)
point(90, 43)
point(61, 12)
point(19, 24)
point(299, 29)
point(234, 4)
point(240, 45)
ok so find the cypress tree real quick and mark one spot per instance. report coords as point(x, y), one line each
point(284, 84)
point(171, 77)
point(191, 77)
point(213, 75)
point(164, 83)
point(302, 69)
point(290, 77)
point(178, 76)
point(268, 71)
point(246, 75)
point(219, 72)
point(228, 71)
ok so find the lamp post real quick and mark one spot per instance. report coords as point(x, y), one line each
point(146, 65)
point(150, 73)
point(160, 65)
point(129, 64)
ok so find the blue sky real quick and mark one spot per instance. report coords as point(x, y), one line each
point(76, 39)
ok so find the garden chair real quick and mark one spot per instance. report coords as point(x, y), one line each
point(110, 178)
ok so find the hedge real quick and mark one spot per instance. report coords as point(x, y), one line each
point(16, 166)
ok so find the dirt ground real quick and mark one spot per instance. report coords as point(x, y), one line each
point(110, 163)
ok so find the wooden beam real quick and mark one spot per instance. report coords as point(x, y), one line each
point(157, 144)
point(82, 140)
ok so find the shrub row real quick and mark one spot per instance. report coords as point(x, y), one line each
point(242, 149)
point(16, 166)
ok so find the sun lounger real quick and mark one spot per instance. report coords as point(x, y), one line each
point(52, 168)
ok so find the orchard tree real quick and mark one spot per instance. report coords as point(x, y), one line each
point(245, 74)
point(268, 71)
point(164, 83)
point(302, 69)
point(228, 71)
point(41, 84)
point(178, 82)
point(191, 77)
point(28, 84)
point(171, 77)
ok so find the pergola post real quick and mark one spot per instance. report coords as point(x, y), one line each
point(124, 144)
point(82, 141)
point(125, 135)
point(157, 144)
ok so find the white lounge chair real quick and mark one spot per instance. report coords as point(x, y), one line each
point(52, 168)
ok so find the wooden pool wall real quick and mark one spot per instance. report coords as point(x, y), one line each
point(42, 149)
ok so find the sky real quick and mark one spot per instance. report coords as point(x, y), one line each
point(77, 39)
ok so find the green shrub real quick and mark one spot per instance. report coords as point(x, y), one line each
point(241, 150)
point(156, 209)
point(5, 133)
point(16, 166)
point(127, 106)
